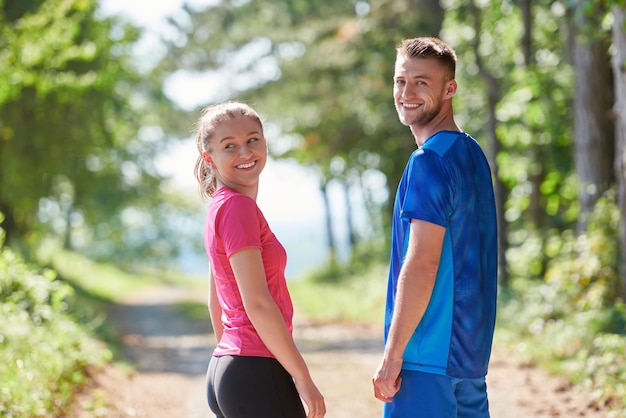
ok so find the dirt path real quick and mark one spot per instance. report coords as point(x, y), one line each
point(169, 354)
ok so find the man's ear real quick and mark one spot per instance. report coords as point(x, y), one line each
point(451, 88)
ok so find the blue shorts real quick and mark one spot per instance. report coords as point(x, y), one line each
point(428, 395)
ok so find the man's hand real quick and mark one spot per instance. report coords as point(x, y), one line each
point(387, 379)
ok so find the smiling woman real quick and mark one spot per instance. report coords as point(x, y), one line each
point(256, 367)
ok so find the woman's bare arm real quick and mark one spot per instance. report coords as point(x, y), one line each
point(268, 321)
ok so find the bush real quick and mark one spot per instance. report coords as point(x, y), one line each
point(44, 351)
point(572, 320)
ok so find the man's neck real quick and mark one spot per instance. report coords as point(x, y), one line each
point(423, 132)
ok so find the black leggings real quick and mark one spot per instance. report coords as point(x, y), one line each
point(251, 387)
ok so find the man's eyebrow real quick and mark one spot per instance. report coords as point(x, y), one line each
point(424, 76)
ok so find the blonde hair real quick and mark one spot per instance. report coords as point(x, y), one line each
point(210, 118)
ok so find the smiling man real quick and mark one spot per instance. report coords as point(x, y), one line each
point(442, 285)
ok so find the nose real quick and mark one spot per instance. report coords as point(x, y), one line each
point(245, 151)
point(407, 91)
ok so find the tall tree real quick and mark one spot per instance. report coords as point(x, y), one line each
point(78, 127)
point(521, 114)
point(619, 73)
point(494, 94)
point(594, 132)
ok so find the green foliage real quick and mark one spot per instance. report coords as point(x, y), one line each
point(604, 373)
point(100, 281)
point(80, 129)
point(44, 352)
point(37, 46)
point(533, 110)
point(50, 319)
point(354, 297)
point(59, 69)
point(572, 321)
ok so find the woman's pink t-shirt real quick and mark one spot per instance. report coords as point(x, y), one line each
point(234, 222)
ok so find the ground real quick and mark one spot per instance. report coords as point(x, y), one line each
point(169, 354)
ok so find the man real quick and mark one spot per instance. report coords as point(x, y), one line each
point(441, 296)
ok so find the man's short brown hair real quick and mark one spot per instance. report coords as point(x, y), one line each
point(428, 47)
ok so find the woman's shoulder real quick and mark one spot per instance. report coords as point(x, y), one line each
point(226, 194)
point(226, 200)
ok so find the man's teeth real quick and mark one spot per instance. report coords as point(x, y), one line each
point(410, 105)
point(246, 165)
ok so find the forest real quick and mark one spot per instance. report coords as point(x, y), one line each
point(542, 87)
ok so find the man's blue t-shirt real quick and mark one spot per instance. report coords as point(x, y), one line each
point(448, 182)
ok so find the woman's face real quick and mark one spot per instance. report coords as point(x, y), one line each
point(238, 152)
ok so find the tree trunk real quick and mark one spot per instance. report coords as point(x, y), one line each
point(349, 219)
point(332, 249)
point(536, 210)
point(527, 39)
point(493, 148)
point(594, 131)
point(619, 73)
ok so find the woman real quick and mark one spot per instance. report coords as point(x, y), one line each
point(256, 369)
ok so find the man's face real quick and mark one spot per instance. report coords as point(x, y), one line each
point(418, 90)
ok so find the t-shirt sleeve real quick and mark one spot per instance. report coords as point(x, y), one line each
point(238, 224)
point(429, 189)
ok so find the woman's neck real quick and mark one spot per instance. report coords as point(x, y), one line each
point(251, 191)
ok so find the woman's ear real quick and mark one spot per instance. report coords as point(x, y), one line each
point(207, 159)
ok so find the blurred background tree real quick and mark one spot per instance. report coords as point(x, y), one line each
point(80, 127)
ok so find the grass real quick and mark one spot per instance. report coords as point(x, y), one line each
point(567, 337)
point(354, 298)
point(569, 319)
point(101, 281)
